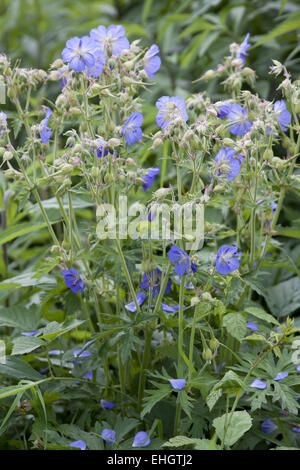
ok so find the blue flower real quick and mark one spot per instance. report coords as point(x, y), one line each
point(223, 110)
point(30, 333)
point(109, 436)
point(170, 308)
point(281, 375)
point(258, 384)
point(178, 384)
point(268, 426)
point(150, 177)
point(81, 353)
point(132, 128)
point(252, 326)
point(111, 39)
point(227, 259)
point(80, 53)
point(78, 444)
point(282, 114)
point(141, 439)
point(3, 118)
point(298, 368)
point(140, 299)
point(107, 404)
point(88, 375)
point(243, 48)
point(295, 429)
point(169, 109)
point(181, 260)
point(152, 61)
point(226, 156)
point(239, 117)
point(154, 278)
point(45, 131)
point(96, 69)
point(63, 80)
point(56, 352)
point(73, 280)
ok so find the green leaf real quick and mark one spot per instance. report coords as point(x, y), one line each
point(17, 230)
point(13, 390)
point(199, 24)
point(20, 317)
point(213, 397)
point(28, 279)
point(240, 423)
point(18, 369)
point(262, 315)
point(283, 298)
point(235, 324)
point(54, 329)
point(26, 344)
point(291, 24)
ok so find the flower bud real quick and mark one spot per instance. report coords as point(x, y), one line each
point(162, 193)
point(61, 101)
point(268, 154)
point(207, 354)
point(7, 156)
point(209, 75)
point(58, 63)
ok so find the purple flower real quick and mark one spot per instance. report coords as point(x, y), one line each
point(107, 404)
point(56, 352)
point(281, 375)
point(226, 156)
point(109, 436)
point(132, 128)
point(155, 279)
point(282, 114)
point(45, 131)
point(239, 117)
point(111, 39)
point(140, 299)
point(80, 53)
point(298, 368)
point(252, 326)
point(178, 384)
point(150, 177)
point(78, 444)
point(170, 308)
point(63, 80)
point(169, 109)
point(152, 61)
point(96, 69)
point(227, 259)
point(3, 118)
point(243, 48)
point(73, 280)
point(81, 353)
point(88, 375)
point(194, 267)
point(295, 429)
point(30, 333)
point(268, 426)
point(223, 110)
point(102, 151)
point(258, 384)
point(181, 260)
point(141, 439)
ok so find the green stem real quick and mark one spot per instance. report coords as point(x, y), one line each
point(145, 361)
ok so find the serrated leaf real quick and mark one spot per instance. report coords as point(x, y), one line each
point(240, 423)
point(236, 325)
point(260, 313)
point(26, 344)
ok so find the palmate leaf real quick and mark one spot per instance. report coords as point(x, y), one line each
point(18, 369)
point(235, 324)
point(26, 344)
point(155, 396)
point(20, 317)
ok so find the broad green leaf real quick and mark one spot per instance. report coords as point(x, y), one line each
point(20, 317)
point(16, 231)
point(284, 298)
point(54, 329)
point(240, 423)
point(261, 314)
point(235, 324)
point(26, 344)
point(18, 369)
point(26, 280)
